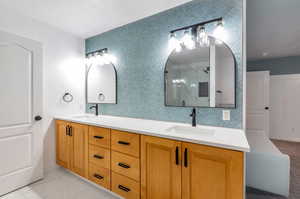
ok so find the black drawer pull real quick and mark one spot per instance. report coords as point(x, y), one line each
point(124, 143)
point(126, 166)
point(98, 137)
point(98, 157)
point(124, 188)
point(98, 176)
point(185, 157)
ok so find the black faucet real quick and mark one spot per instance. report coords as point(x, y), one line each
point(96, 107)
point(193, 115)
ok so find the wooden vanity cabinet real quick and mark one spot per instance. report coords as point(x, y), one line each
point(63, 143)
point(139, 166)
point(211, 173)
point(72, 146)
point(172, 169)
point(160, 168)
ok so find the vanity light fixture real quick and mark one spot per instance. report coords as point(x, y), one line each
point(100, 57)
point(219, 32)
point(197, 31)
point(174, 43)
point(202, 36)
point(187, 39)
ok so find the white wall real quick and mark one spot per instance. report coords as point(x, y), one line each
point(285, 107)
point(63, 71)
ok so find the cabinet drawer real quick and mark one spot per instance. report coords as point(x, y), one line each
point(99, 156)
point(125, 187)
point(99, 176)
point(125, 142)
point(125, 165)
point(99, 136)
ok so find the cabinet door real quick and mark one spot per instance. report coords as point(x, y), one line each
point(160, 168)
point(79, 149)
point(211, 173)
point(63, 153)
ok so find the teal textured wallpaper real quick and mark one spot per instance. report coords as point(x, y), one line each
point(142, 50)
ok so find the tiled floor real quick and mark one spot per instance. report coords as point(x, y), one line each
point(293, 150)
point(59, 185)
point(63, 185)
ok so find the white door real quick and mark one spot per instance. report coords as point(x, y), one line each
point(285, 103)
point(21, 141)
point(257, 119)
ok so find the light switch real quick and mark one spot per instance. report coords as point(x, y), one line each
point(226, 115)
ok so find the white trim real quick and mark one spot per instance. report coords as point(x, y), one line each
point(244, 57)
point(285, 76)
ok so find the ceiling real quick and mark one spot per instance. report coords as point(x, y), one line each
point(86, 18)
point(273, 28)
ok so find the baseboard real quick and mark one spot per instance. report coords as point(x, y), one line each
point(286, 139)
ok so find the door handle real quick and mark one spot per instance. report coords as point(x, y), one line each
point(38, 118)
point(266, 108)
point(185, 158)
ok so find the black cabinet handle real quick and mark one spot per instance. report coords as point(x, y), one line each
point(266, 108)
point(98, 176)
point(185, 157)
point(98, 137)
point(67, 130)
point(98, 157)
point(177, 155)
point(70, 131)
point(126, 166)
point(123, 143)
point(124, 188)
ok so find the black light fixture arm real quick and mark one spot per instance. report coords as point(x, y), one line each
point(101, 51)
point(197, 25)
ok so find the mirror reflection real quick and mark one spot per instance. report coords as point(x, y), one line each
point(101, 84)
point(201, 77)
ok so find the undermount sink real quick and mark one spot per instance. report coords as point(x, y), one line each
point(190, 130)
point(95, 118)
point(85, 116)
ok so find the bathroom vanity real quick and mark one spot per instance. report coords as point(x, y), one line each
point(137, 158)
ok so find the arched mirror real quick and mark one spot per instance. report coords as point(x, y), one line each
point(201, 77)
point(101, 84)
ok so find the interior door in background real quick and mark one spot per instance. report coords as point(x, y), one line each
point(285, 104)
point(21, 139)
point(258, 89)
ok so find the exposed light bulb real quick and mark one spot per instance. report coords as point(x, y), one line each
point(88, 60)
point(187, 40)
point(92, 60)
point(105, 59)
point(112, 58)
point(220, 33)
point(174, 43)
point(202, 37)
point(99, 60)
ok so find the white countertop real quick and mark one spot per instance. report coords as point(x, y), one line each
point(228, 138)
